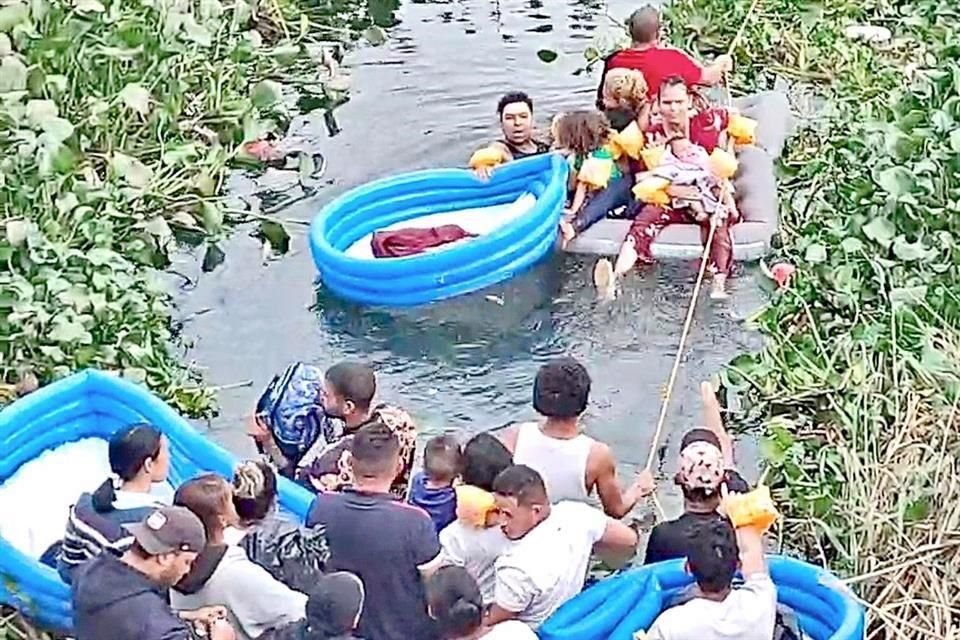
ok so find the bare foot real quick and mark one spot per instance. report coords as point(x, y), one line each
point(719, 290)
point(627, 257)
point(567, 233)
point(605, 280)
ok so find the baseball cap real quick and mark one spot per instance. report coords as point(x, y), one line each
point(168, 530)
point(701, 466)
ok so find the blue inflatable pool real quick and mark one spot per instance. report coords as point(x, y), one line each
point(77, 410)
point(514, 217)
point(615, 608)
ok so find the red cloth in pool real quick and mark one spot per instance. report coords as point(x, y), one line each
point(411, 241)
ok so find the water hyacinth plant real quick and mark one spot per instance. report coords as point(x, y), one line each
point(856, 393)
point(118, 121)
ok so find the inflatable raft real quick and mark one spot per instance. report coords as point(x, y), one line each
point(514, 217)
point(755, 191)
point(618, 607)
point(53, 448)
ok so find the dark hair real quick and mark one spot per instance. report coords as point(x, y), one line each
point(644, 25)
point(455, 601)
point(712, 554)
point(673, 81)
point(583, 132)
point(206, 496)
point(441, 458)
point(512, 98)
point(484, 457)
point(699, 434)
point(522, 483)
point(561, 389)
point(353, 381)
point(375, 449)
point(254, 490)
point(128, 450)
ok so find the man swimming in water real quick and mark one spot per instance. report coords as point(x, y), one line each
point(515, 111)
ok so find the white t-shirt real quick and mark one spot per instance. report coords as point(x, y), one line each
point(748, 613)
point(510, 630)
point(255, 601)
point(476, 550)
point(548, 566)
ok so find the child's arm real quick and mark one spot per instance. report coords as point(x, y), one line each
point(579, 196)
point(643, 116)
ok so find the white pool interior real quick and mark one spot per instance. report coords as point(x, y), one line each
point(479, 221)
point(36, 500)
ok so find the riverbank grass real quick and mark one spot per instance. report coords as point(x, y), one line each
point(856, 392)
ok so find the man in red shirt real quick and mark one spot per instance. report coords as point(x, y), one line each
point(657, 62)
point(705, 129)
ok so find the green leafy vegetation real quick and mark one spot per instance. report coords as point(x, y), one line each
point(118, 122)
point(857, 389)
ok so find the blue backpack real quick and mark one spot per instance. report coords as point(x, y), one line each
point(293, 411)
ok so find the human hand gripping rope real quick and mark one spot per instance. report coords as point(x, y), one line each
point(719, 217)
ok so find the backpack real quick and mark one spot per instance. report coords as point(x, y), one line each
point(291, 408)
point(293, 554)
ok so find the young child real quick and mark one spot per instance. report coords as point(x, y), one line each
point(584, 137)
point(333, 611)
point(432, 488)
point(624, 99)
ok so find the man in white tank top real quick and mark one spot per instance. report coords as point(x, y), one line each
point(572, 464)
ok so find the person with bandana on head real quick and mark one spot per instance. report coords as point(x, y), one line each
point(706, 463)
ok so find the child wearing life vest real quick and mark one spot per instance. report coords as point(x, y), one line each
point(585, 138)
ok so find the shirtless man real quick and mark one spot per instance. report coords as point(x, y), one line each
point(515, 111)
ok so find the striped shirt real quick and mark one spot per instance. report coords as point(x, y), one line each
point(89, 532)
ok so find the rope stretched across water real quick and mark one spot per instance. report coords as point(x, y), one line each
point(704, 258)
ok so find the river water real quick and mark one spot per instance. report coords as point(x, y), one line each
point(426, 98)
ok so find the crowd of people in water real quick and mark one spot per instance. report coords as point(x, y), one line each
point(487, 539)
point(650, 91)
point(492, 535)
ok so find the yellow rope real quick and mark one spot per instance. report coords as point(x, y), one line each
point(724, 189)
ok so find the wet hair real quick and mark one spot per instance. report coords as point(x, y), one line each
point(353, 381)
point(521, 483)
point(128, 450)
point(254, 490)
point(455, 602)
point(582, 132)
point(206, 496)
point(512, 98)
point(375, 450)
point(624, 89)
point(484, 457)
point(441, 458)
point(561, 389)
point(713, 554)
point(673, 81)
point(644, 25)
